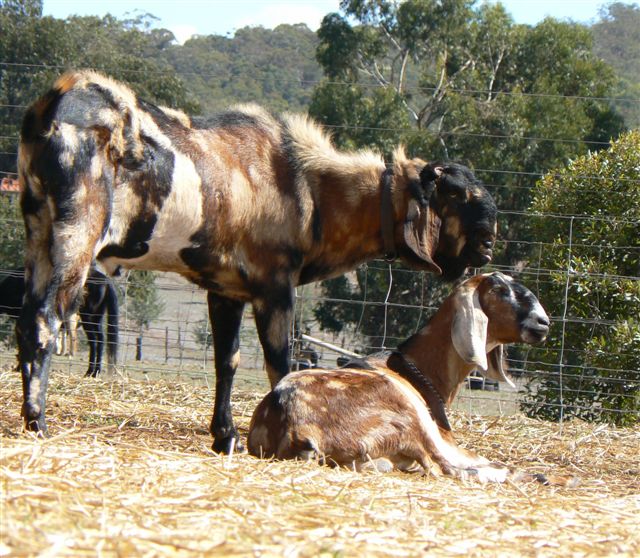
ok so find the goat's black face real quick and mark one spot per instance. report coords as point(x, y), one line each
point(468, 214)
point(515, 314)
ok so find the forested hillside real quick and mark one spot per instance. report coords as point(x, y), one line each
point(274, 67)
point(278, 68)
point(616, 39)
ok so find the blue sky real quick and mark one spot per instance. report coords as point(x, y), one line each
point(204, 17)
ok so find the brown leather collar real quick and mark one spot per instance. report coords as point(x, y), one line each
point(409, 371)
point(386, 215)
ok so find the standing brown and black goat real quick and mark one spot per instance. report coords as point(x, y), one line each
point(245, 205)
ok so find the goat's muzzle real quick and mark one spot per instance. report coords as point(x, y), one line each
point(480, 257)
point(484, 259)
point(536, 328)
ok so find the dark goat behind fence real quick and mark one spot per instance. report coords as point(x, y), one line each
point(244, 204)
point(99, 298)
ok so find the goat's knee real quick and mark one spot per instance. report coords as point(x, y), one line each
point(380, 465)
point(36, 330)
point(273, 322)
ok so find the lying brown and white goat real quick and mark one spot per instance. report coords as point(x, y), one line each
point(392, 412)
point(246, 205)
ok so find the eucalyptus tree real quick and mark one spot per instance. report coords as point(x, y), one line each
point(454, 80)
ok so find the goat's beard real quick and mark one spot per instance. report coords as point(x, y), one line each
point(452, 267)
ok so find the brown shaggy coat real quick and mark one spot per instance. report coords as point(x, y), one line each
point(245, 204)
point(391, 412)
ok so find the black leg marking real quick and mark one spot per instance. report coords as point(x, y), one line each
point(226, 316)
point(273, 315)
point(92, 325)
point(34, 362)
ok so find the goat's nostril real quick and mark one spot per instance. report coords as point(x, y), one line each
point(488, 244)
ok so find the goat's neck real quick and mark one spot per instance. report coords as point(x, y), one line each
point(351, 223)
point(433, 353)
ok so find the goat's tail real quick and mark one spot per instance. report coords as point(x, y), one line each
point(111, 298)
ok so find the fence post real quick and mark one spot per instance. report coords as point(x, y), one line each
point(564, 321)
point(166, 345)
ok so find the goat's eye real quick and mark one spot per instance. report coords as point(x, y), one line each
point(501, 291)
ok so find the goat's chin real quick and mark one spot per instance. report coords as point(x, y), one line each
point(452, 268)
point(533, 336)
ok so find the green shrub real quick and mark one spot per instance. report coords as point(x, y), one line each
point(591, 252)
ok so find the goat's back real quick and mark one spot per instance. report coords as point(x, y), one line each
point(342, 415)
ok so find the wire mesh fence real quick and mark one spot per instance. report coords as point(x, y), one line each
point(174, 344)
point(385, 303)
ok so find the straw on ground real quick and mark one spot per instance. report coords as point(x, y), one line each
point(129, 472)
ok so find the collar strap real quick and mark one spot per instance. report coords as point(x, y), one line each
point(386, 215)
point(423, 385)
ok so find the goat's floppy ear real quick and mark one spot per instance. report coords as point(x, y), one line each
point(422, 224)
point(469, 328)
point(421, 231)
point(496, 370)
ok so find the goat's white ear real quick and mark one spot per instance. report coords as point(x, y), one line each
point(469, 329)
point(496, 370)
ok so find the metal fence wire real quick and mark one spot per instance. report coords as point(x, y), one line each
point(176, 343)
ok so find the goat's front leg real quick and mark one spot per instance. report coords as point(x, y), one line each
point(273, 313)
point(225, 315)
point(36, 331)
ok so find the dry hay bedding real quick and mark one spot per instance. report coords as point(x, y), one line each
point(128, 471)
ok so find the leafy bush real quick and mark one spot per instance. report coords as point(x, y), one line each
point(202, 333)
point(593, 260)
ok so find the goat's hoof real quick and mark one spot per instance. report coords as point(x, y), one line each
point(557, 480)
point(542, 479)
point(33, 419)
point(225, 445)
point(38, 426)
point(532, 477)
